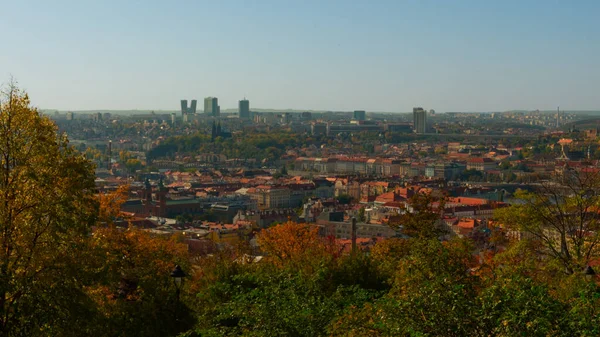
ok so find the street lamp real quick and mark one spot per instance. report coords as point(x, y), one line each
point(589, 273)
point(178, 275)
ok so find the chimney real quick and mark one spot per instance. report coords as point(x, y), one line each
point(353, 235)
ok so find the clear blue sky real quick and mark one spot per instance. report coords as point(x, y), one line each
point(326, 55)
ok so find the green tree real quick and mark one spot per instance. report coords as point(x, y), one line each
point(344, 199)
point(515, 306)
point(432, 294)
point(423, 219)
point(561, 217)
point(361, 215)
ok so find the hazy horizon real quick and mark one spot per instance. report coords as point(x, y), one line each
point(310, 55)
point(234, 111)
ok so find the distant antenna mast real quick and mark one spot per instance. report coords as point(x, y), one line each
point(108, 164)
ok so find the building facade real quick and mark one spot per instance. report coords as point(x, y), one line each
point(419, 120)
point(211, 106)
point(481, 164)
point(359, 115)
point(188, 110)
point(244, 109)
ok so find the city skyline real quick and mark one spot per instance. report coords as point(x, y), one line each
point(338, 56)
point(235, 110)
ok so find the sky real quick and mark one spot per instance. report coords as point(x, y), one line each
point(379, 55)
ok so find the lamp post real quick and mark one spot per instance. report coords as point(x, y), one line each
point(589, 273)
point(178, 275)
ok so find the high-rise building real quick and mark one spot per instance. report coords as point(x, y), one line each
point(184, 107)
point(419, 120)
point(70, 116)
point(211, 106)
point(188, 110)
point(359, 115)
point(173, 118)
point(244, 109)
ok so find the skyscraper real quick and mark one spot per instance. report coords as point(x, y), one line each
point(244, 109)
point(211, 106)
point(359, 115)
point(185, 109)
point(419, 120)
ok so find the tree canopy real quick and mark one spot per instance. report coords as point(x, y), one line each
point(46, 211)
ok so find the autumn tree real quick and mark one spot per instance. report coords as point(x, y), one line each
point(47, 206)
point(132, 291)
point(110, 204)
point(387, 255)
point(297, 245)
point(133, 165)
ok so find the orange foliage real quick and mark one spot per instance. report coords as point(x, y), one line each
point(132, 271)
point(296, 244)
point(110, 203)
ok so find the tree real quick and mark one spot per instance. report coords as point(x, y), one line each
point(423, 219)
point(124, 156)
point(46, 210)
point(505, 165)
point(432, 294)
point(132, 291)
point(361, 215)
point(515, 306)
point(296, 245)
point(344, 199)
point(110, 204)
point(471, 175)
point(387, 255)
point(562, 217)
point(133, 165)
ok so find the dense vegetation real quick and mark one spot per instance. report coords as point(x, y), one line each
point(260, 146)
point(407, 287)
point(66, 270)
point(57, 276)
